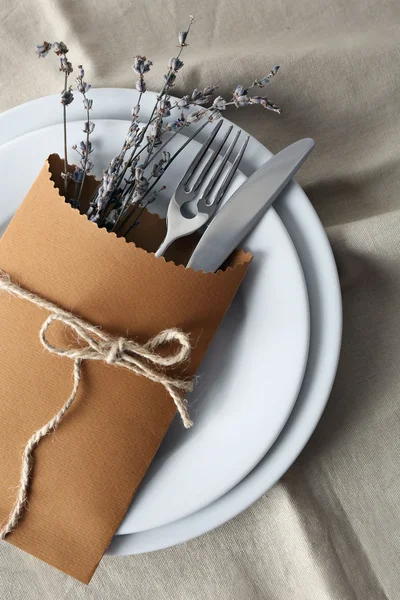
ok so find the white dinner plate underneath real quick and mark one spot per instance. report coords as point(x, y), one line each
point(320, 273)
point(251, 375)
point(325, 337)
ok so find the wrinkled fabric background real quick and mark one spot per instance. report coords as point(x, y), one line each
point(330, 530)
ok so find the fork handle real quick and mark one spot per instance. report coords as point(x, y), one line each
point(165, 245)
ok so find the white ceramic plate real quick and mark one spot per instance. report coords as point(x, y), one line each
point(247, 385)
point(320, 273)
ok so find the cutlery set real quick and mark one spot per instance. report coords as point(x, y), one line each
point(193, 206)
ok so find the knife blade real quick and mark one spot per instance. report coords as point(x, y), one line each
point(246, 206)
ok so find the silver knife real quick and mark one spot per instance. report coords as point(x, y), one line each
point(246, 206)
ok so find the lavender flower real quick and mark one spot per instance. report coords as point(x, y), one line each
point(86, 165)
point(159, 167)
point(202, 97)
point(182, 37)
point(86, 146)
point(183, 102)
point(109, 180)
point(240, 96)
point(100, 202)
point(82, 86)
point(88, 127)
point(265, 103)
point(65, 65)
point(67, 97)
point(196, 116)
point(132, 136)
point(195, 94)
point(141, 65)
point(60, 48)
point(258, 100)
point(209, 90)
point(77, 175)
point(134, 164)
point(139, 190)
point(135, 112)
point(176, 124)
point(155, 133)
point(141, 86)
point(42, 50)
point(219, 103)
point(175, 64)
point(265, 80)
point(139, 173)
point(164, 107)
point(169, 78)
point(115, 165)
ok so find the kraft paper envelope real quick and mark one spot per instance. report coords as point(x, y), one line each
point(86, 473)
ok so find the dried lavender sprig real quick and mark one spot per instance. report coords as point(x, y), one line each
point(265, 80)
point(83, 87)
point(173, 67)
point(240, 97)
point(141, 65)
point(67, 97)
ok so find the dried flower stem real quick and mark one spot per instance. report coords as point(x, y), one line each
point(77, 201)
point(67, 97)
point(65, 136)
point(165, 88)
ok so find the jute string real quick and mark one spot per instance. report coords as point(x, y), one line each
point(118, 351)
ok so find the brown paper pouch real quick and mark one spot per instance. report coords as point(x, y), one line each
point(86, 473)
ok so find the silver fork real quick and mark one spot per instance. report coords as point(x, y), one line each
point(179, 225)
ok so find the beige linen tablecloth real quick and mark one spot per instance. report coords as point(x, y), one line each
point(330, 530)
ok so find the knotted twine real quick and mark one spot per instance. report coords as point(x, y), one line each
point(118, 351)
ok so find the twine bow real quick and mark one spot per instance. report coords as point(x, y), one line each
point(119, 351)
